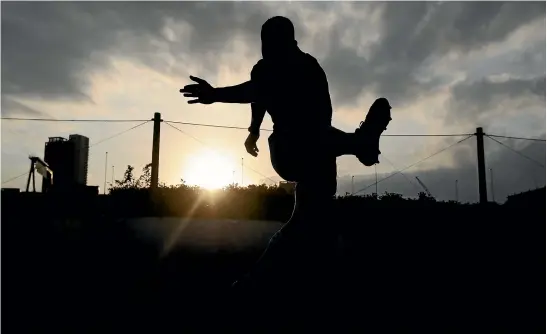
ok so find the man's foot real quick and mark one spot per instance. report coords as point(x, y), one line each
point(369, 132)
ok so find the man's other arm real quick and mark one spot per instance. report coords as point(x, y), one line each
point(258, 112)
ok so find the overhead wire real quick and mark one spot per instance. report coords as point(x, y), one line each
point(270, 130)
point(414, 164)
point(14, 178)
point(520, 138)
point(517, 152)
point(403, 174)
point(71, 120)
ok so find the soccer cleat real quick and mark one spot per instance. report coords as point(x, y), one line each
point(369, 132)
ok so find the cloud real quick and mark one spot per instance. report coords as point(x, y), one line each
point(11, 107)
point(412, 34)
point(50, 48)
point(488, 97)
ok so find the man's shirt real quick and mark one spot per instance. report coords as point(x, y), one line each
point(295, 93)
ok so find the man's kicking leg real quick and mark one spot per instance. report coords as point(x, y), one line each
point(364, 143)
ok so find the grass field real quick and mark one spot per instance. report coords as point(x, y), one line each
point(453, 272)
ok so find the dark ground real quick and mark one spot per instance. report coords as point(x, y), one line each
point(405, 271)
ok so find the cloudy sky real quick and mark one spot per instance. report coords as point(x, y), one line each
point(446, 68)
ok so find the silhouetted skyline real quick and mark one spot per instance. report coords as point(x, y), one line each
point(443, 70)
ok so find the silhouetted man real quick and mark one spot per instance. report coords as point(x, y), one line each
point(292, 87)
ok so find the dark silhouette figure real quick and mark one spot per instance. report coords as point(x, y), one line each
point(293, 88)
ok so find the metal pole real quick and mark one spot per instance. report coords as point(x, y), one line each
point(353, 176)
point(457, 191)
point(105, 167)
point(483, 194)
point(30, 173)
point(376, 174)
point(155, 151)
point(492, 184)
point(112, 183)
point(34, 180)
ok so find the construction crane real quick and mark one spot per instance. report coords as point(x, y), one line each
point(423, 186)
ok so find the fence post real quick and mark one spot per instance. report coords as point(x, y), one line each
point(155, 151)
point(483, 196)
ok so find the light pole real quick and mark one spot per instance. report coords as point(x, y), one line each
point(352, 177)
point(456, 190)
point(112, 183)
point(376, 174)
point(492, 184)
point(105, 168)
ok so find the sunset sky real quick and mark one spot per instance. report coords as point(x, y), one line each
point(445, 67)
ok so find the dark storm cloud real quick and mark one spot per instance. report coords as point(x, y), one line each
point(11, 107)
point(411, 34)
point(50, 48)
point(470, 100)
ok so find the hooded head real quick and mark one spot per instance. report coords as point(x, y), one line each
point(277, 37)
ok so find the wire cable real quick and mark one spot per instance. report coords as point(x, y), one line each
point(117, 134)
point(433, 135)
point(14, 178)
point(414, 164)
point(517, 152)
point(509, 137)
point(395, 169)
point(206, 145)
point(214, 125)
point(71, 120)
point(270, 130)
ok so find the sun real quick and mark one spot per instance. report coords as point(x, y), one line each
point(208, 170)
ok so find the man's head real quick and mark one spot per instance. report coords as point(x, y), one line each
point(277, 37)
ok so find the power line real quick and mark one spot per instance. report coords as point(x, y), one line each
point(205, 144)
point(238, 127)
point(117, 134)
point(395, 168)
point(521, 138)
point(270, 130)
point(432, 135)
point(14, 178)
point(414, 164)
point(214, 125)
point(71, 120)
point(517, 152)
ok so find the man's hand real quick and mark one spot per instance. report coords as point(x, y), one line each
point(250, 144)
point(202, 91)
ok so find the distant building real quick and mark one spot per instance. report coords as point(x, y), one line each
point(68, 159)
point(81, 157)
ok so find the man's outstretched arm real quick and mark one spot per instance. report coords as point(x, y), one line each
point(242, 93)
point(203, 92)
